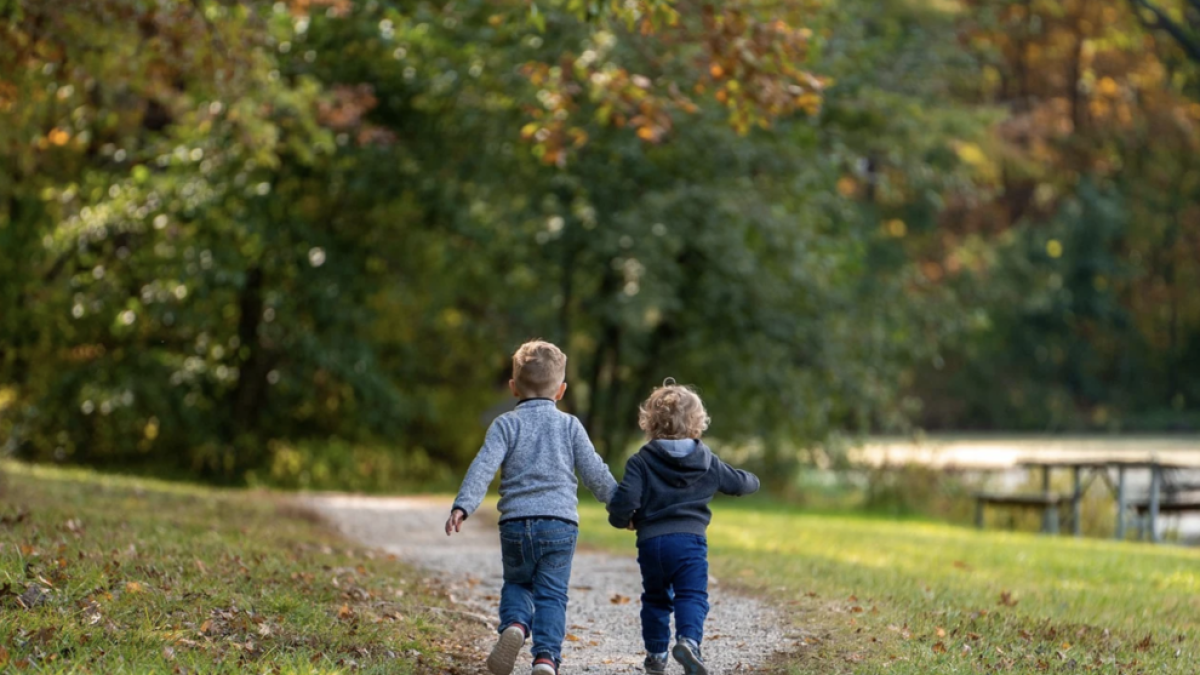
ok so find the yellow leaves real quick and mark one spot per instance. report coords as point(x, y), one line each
point(344, 613)
point(972, 154)
point(8, 396)
point(1054, 248)
point(133, 587)
point(1108, 87)
point(847, 186)
point(895, 228)
point(58, 136)
point(645, 133)
point(151, 429)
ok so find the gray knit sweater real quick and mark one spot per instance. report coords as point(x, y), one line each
point(538, 449)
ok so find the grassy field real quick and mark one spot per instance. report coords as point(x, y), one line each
point(114, 575)
point(911, 598)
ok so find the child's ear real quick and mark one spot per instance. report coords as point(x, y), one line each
point(562, 391)
point(512, 386)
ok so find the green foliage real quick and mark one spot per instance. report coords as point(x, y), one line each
point(338, 223)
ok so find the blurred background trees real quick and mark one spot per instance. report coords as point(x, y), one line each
point(296, 242)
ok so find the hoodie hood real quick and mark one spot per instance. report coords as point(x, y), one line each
point(674, 463)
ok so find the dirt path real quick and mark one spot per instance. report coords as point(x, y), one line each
point(742, 633)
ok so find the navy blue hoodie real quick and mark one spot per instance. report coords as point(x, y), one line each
point(668, 485)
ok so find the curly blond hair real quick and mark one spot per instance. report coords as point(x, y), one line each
point(673, 411)
point(539, 368)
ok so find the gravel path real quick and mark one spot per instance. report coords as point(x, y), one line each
point(602, 617)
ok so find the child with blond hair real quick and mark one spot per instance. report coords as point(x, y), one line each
point(538, 450)
point(665, 494)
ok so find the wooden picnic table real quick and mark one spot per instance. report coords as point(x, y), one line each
point(1088, 469)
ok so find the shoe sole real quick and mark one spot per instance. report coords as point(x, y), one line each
point(691, 664)
point(504, 655)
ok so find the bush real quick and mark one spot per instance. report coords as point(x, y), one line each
point(341, 465)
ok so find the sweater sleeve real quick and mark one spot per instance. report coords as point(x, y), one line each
point(483, 469)
point(736, 482)
point(591, 468)
point(628, 497)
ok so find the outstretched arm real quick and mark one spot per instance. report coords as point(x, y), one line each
point(736, 482)
point(592, 469)
point(628, 498)
point(479, 476)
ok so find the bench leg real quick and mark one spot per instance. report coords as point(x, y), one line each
point(979, 514)
point(1155, 486)
point(1051, 525)
point(1077, 502)
point(1121, 497)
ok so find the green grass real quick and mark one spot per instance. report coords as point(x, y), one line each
point(139, 576)
point(882, 596)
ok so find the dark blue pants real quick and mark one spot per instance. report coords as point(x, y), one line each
point(674, 579)
point(537, 555)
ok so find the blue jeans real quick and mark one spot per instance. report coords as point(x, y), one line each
point(675, 579)
point(537, 555)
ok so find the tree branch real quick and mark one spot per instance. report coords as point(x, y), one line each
point(1189, 43)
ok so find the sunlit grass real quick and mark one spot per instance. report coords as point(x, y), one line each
point(919, 597)
point(141, 576)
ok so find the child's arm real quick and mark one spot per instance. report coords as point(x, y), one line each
point(628, 497)
point(479, 476)
point(592, 469)
point(736, 482)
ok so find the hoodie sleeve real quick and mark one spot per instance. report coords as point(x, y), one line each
point(736, 482)
point(483, 469)
point(628, 498)
point(591, 468)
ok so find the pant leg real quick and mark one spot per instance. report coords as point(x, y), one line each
point(656, 598)
point(688, 565)
point(516, 596)
point(554, 546)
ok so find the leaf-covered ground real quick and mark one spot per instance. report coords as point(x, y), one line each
point(113, 575)
point(913, 598)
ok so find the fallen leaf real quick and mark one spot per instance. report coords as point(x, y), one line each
point(571, 637)
point(133, 587)
point(618, 599)
point(1007, 600)
point(345, 612)
point(939, 648)
point(1145, 644)
point(941, 632)
point(205, 627)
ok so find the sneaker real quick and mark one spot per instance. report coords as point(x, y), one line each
point(544, 665)
point(687, 653)
point(655, 664)
point(504, 654)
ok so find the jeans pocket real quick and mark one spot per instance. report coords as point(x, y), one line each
point(512, 552)
point(557, 553)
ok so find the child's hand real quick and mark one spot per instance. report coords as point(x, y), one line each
point(455, 521)
point(631, 527)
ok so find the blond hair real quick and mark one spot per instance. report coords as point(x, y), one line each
point(673, 411)
point(538, 369)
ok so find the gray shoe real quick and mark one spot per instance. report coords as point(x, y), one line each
point(656, 664)
point(687, 653)
point(504, 654)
